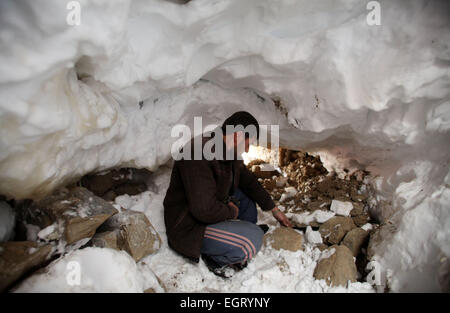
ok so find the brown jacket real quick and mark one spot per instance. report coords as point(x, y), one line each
point(195, 199)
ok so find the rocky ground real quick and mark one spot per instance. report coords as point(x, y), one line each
point(78, 216)
point(329, 212)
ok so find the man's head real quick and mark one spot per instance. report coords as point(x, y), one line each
point(240, 130)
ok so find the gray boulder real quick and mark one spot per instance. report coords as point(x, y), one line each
point(355, 239)
point(115, 182)
point(129, 231)
point(378, 237)
point(359, 215)
point(76, 214)
point(18, 258)
point(335, 228)
point(284, 238)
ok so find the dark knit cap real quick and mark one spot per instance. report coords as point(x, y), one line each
point(241, 119)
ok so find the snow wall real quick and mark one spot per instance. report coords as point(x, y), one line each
point(80, 98)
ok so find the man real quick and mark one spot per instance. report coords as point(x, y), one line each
point(210, 209)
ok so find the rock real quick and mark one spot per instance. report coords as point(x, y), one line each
point(17, 258)
point(111, 195)
point(318, 205)
point(285, 156)
point(362, 219)
point(254, 162)
point(359, 175)
point(355, 239)
point(359, 214)
point(100, 183)
point(281, 181)
point(358, 197)
point(284, 238)
point(322, 246)
point(129, 231)
point(379, 236)
point(337, 269)
point(107, 239)
point(76, 214)
point(269, 184)
point(7, 221)
point(130, 189)
point(261, 172)
point(358, 209)
point(335, 228)
point(130, 181)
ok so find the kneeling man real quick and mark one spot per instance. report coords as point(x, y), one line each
point(209, 208)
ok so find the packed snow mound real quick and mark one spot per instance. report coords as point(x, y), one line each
point(76, 99)
point(88, 270)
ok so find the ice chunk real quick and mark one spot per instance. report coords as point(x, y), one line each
point(44, 233)
point(306, 218)
point(312, 236)
point(367, 227)
point(341, 208)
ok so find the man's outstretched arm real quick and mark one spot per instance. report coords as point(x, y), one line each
point(250, 185)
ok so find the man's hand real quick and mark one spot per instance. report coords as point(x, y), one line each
point(236, 209)
point(281, 217)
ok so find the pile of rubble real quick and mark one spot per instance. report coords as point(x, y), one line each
point(73, 218)
point(331, 212)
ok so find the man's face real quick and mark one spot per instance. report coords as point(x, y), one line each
point(242, 144)
point(239, 143)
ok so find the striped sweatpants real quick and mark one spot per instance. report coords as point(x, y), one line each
point(234, 241)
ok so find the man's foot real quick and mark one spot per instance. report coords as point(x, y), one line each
point(225, 271)
point(264, 227)
point(239, 266)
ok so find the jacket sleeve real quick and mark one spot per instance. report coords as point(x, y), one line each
point(252, 188)
point(200, 188)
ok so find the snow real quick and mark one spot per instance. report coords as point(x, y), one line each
point(313, 237)
point(266, 167)
point(289, 193)
point(319, 216)
point(134, 203)
point(341, 208)
point(372, 97)
point(46, 231)
point(100, 270)
point(32, 232)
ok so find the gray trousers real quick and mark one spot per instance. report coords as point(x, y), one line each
point(234, 241)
